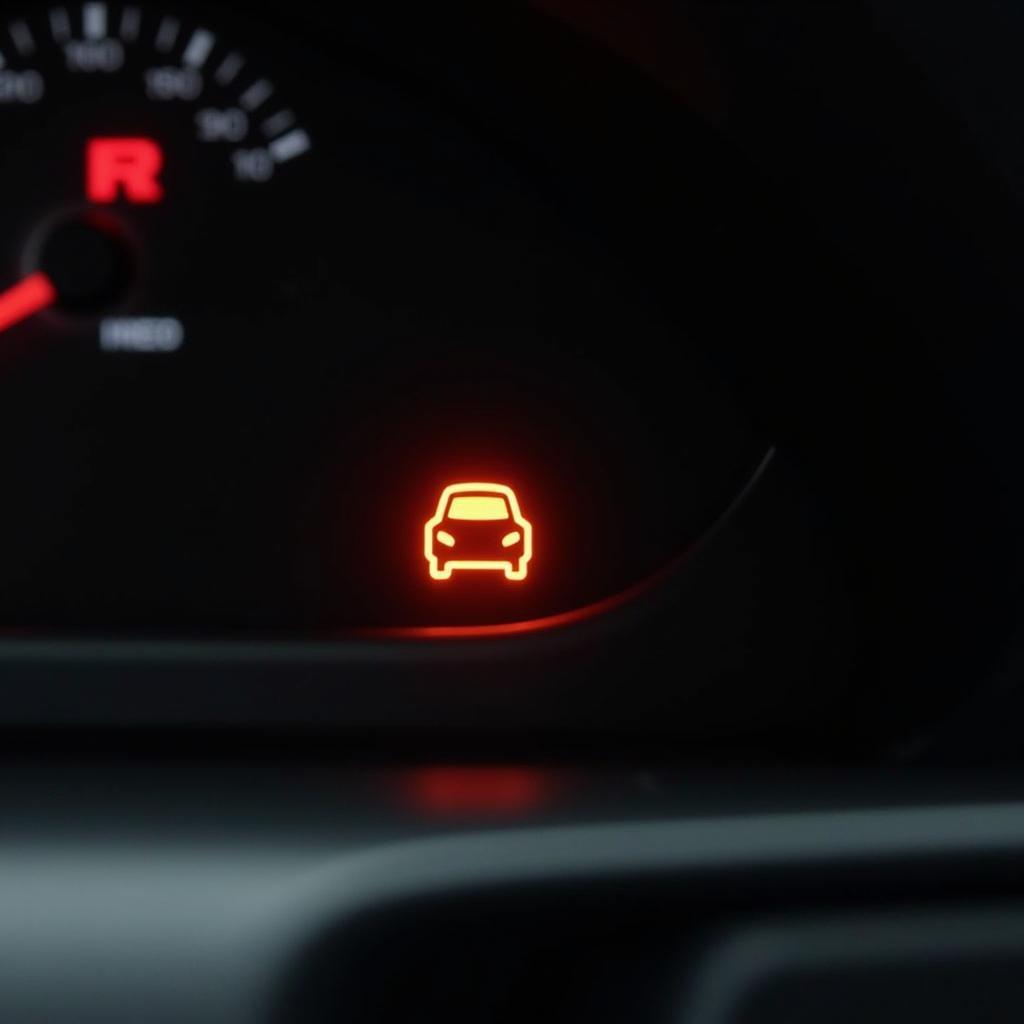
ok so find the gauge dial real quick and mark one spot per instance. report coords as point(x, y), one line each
point(149, 148)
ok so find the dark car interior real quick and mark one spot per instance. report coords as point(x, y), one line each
point(511, 512)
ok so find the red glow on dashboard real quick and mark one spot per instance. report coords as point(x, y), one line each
point(547, 622)
point(455, 791)
point(125, 167)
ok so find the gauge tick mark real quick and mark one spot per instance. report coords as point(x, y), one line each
point(289, 146)
point(229, 68)
point(167, 34)
point(256, 95)
point(198, 48)
point(94, 21)
point(131, 20)
point(60, 25)
point(277, 123)
point(22, 36)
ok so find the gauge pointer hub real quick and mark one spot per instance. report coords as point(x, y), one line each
point(85, 264)
point(89, 260)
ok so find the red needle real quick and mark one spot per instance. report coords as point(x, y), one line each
point(27, 297)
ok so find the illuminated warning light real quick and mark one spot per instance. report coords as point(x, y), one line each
point(478, 527)
point(127, 168)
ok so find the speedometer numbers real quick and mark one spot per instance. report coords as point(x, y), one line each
point(108, 105)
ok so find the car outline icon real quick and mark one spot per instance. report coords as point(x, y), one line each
point(472, 508)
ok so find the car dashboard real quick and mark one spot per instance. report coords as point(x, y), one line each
point(510, 510)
